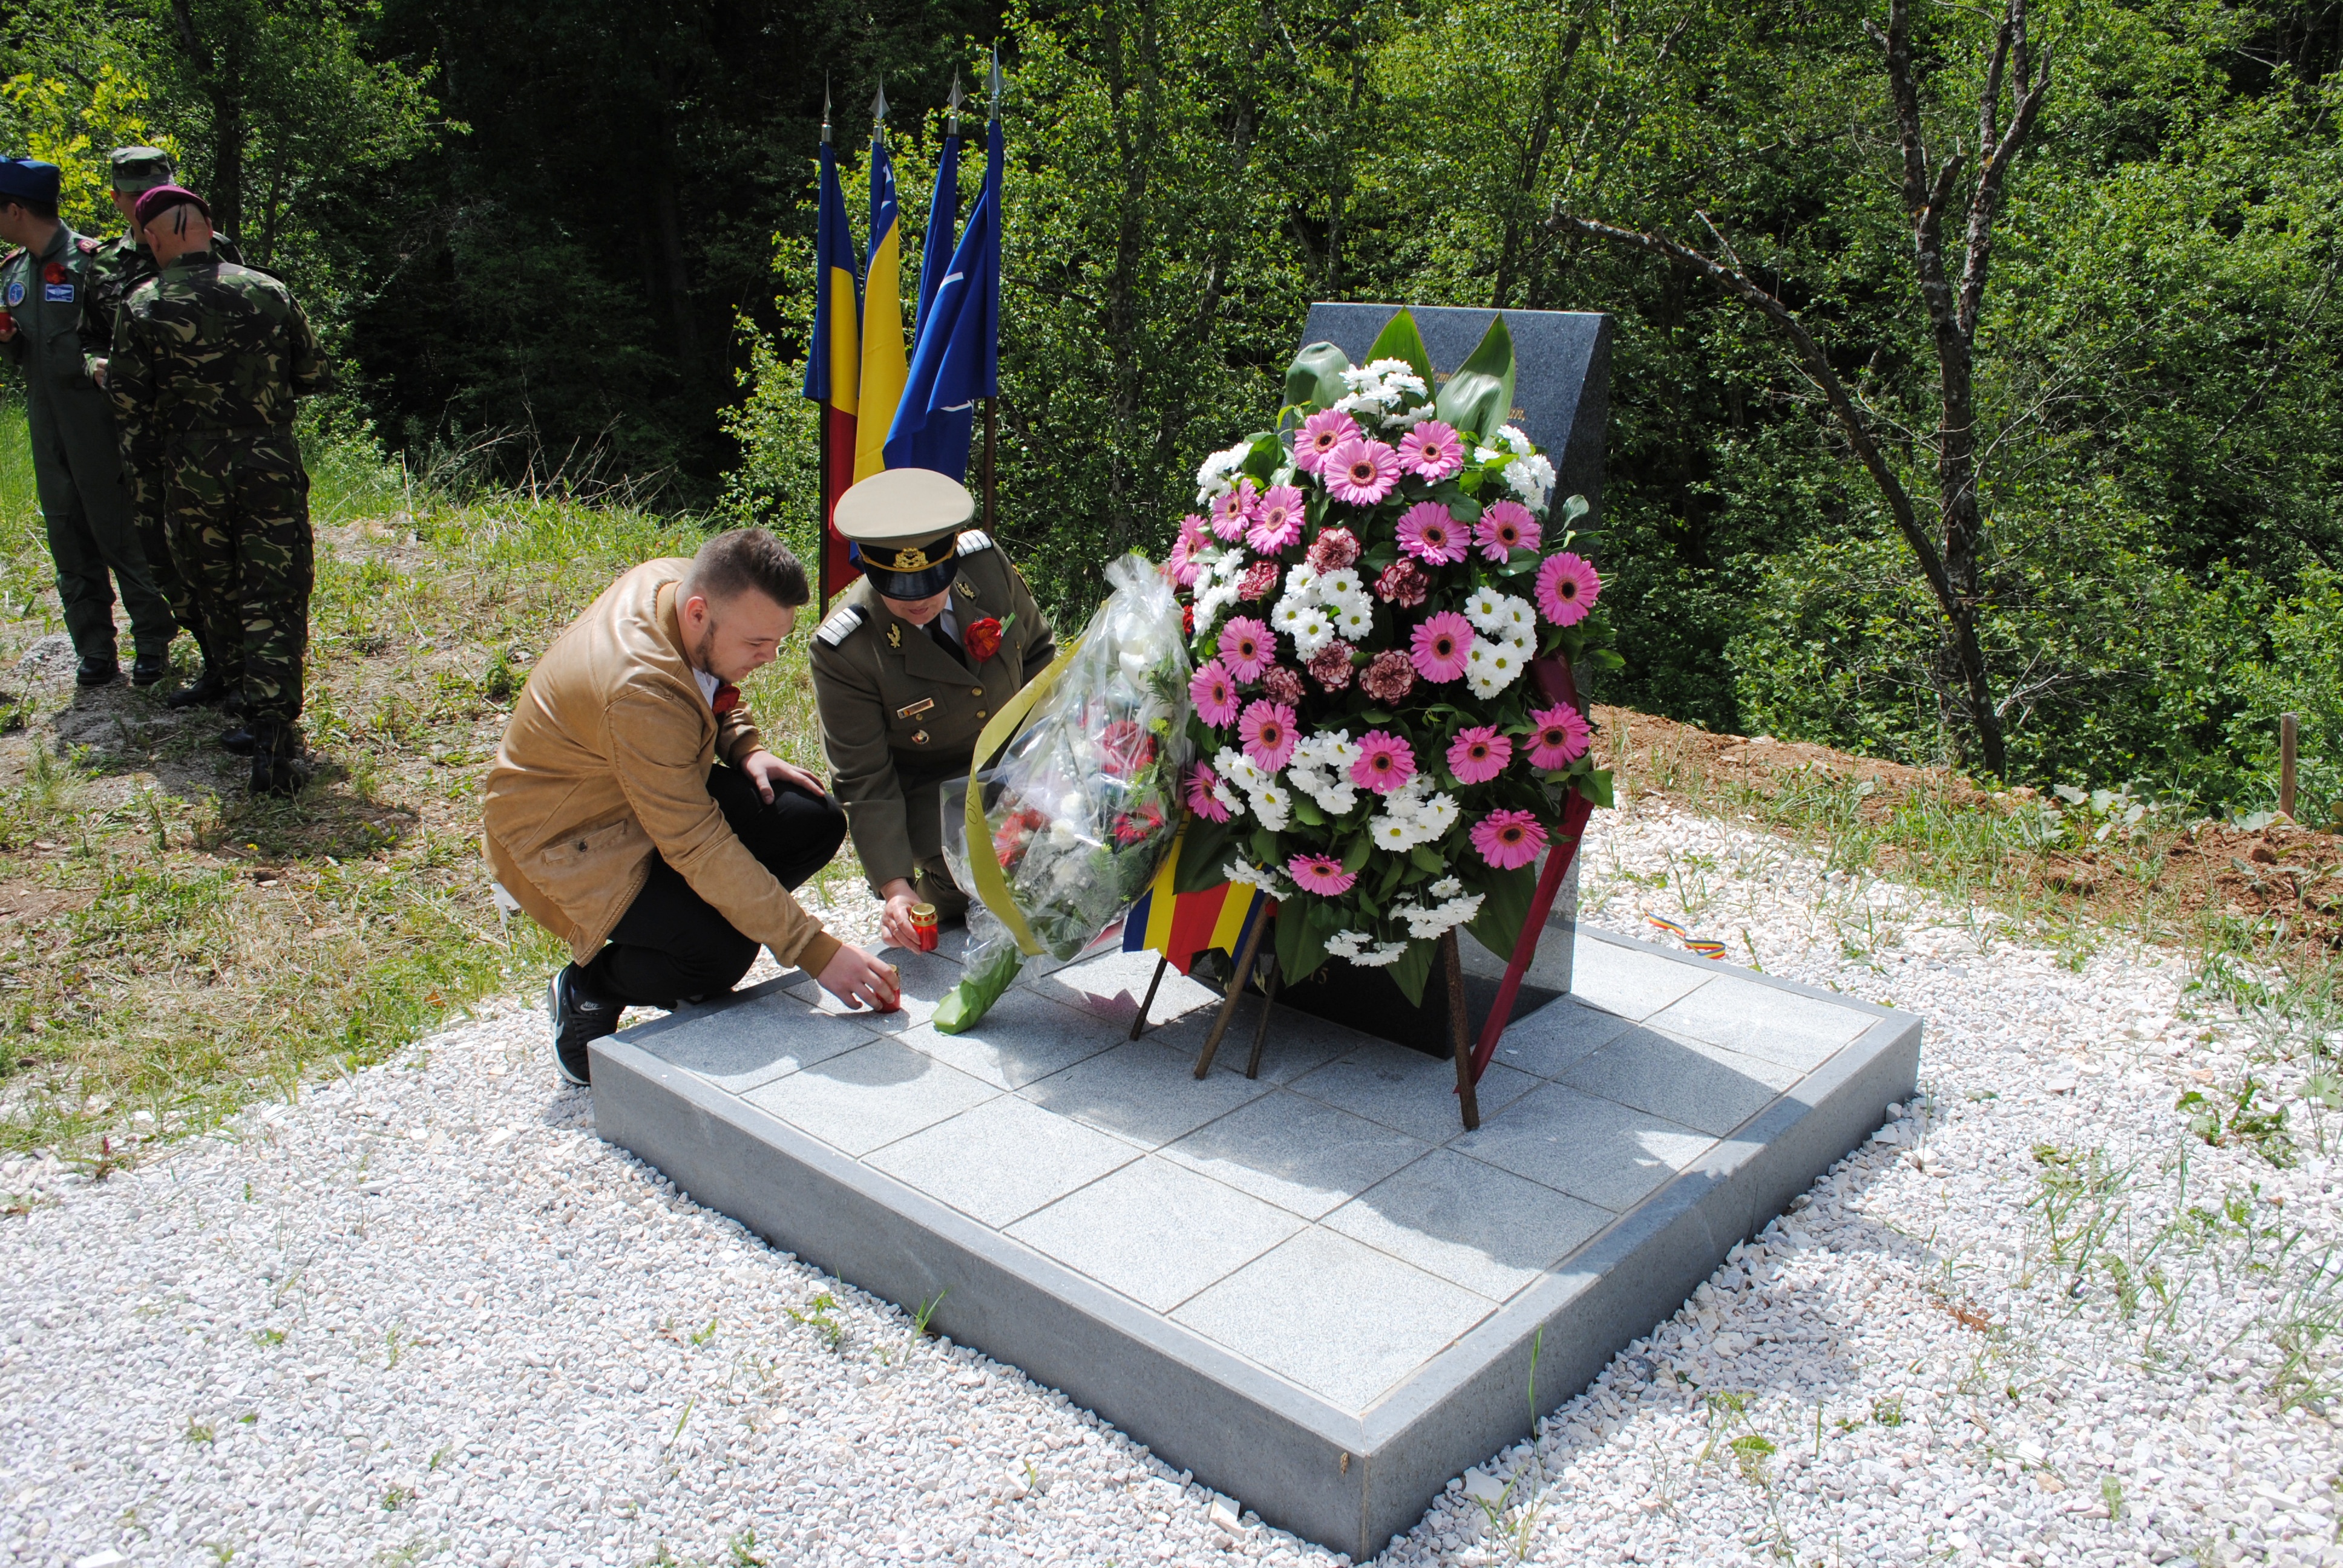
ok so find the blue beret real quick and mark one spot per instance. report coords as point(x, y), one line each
point(29, 179)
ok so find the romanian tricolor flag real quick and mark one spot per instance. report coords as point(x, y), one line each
point(883, 360)
point(1181, 925)
point(833, 361)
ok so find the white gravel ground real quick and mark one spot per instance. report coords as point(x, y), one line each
point(425, 1315)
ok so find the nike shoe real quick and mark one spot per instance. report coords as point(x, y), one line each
point(578, 1018)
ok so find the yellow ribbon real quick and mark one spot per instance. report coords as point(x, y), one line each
point(983, 863)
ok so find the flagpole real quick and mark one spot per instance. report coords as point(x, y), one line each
point(821, 416)
point(991, 428)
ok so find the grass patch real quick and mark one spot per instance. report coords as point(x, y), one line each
point(170, 948)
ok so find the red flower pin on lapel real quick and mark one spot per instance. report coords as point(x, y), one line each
point(726, 698)
point(982, 640)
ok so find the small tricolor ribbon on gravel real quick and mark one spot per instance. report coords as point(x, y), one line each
point(1707, 947)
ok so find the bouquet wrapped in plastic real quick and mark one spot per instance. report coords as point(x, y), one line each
point(1071, 823)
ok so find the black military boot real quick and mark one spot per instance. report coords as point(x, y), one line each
point(578, 1018)
point(277, 764)
point(150, 669)
point(97, 669)
point(238, 740)
point(201, 692)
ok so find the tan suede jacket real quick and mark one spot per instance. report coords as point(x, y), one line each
point(606, 762)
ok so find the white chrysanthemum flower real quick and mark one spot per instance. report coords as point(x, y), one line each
point(1460, 910)
point(1232, 565)
point(1424, 924)
point(1342, 583)
point(1521, 446)
point(1393, 833)
point(1274, 806)
point(1214, 478)
point(1520, 617)
point(1228, 798)
point(1486, 454)
point(1384, 954)
point(1435, 817)
point(1348, 944)
point(1446, 888)
point(1409, 419)
point(1354, 621)
point(1288, 614)
point(1485, 609)
point(1302, 582)
point(1312, 632)
point(1491, 666)
point(1532, 479)
point(1243, 871)
point(1247, 774)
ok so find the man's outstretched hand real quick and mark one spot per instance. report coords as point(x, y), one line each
point(765, 770)
point(857, 979)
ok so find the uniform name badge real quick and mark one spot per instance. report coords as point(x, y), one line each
point(58, 292)
point(914, 709)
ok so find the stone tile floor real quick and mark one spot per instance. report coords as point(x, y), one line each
point(1331, 1220)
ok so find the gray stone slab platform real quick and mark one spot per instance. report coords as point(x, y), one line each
point(1313, 1289)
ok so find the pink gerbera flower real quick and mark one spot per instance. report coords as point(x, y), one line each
point(1214, 694)
point(1233, 510)
point(1431, 451)
point(1179, 566)
point(1361, 472)
point(1200, 799)
point(1428, 533)
point(1560, 739)
point(1320, 874)
point(1276, 520)
point(1267, 730)
point(1479, 754)
point(1246, 645)
point(1385, 762)
point(1508, 839)
point(1440, 646)
point(1505, 527)
point(1320, 434)
point(1567, 588)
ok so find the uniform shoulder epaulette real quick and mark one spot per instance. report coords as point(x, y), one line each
point(843, 622)
point(972, 540)
point(14, 252)
point(86, 244)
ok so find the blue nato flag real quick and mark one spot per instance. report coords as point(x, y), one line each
point(957, 359)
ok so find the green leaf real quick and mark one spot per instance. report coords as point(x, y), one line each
point(1573, 510)
point(1300, 937)
point(1264, 847)
point(1316, 375)
point(1399, 339)
point(1412, 970)
point(1356, 854)
point(1479, 396)
point(1427, 859)
point(1499, 924)
point(1464, 510)
point(1204, 849)
point(1595, 785)
point(1307, 810)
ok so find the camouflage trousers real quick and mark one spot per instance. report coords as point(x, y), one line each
point(146, 472)
point(240, 535)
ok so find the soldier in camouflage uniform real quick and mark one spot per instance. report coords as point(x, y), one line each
point(215, 355)
point(77, 464)
point(115, 270)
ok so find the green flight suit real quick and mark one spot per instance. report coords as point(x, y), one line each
point(215, 356)
point(76, 459)
point(115, 270)
point(900, 715)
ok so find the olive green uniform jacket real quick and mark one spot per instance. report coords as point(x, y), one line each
point(77, 462)
point(900, 715)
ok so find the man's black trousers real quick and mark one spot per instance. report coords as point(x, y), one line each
point(671, 944)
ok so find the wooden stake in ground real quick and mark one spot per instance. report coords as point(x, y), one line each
point(2288, 728)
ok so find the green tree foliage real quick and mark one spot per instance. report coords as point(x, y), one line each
point(579, 233)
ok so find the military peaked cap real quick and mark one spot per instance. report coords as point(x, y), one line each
point(905, 524)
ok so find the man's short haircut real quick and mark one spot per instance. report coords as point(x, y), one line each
point(743, 558)
point(33, 205)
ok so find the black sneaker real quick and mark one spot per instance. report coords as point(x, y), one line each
point(578, 1018)
point(201, 692)
point(95, 670)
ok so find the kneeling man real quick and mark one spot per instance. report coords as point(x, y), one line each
point(634, 811)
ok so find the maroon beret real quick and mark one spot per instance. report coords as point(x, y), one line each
point(162, 198)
